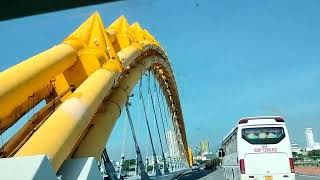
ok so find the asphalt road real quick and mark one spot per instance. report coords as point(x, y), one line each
point(217, 175)
point(203, 175)
point(304, 177)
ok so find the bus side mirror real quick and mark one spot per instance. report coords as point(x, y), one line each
point(221, 153)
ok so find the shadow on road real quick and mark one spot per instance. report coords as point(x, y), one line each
point(195, 174)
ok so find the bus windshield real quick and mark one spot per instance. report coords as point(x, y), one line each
point(263, 135)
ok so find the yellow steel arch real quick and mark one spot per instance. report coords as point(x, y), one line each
point(85, 81)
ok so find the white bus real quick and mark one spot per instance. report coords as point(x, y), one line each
point(258, 148)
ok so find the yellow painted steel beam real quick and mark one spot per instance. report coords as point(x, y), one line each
point(91, 59)
point(21, 81)
point(91, 70)
point(60, 132)
point(104, 120)
point(190, 156)
point(16, 141)
point(26, 106)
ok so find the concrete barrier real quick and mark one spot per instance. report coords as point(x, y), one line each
point(29, 167)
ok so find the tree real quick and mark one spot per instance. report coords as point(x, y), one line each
point(314, 153)
point(127, 163)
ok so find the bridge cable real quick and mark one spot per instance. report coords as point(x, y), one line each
point(138, 127)
point(124, 134)
point(147, 148)
point(174, 142)
point(164, 107)
point(123, 147)
point(156, 120)
point(166, 112)
point(144, 175)
point(174, 129)
point(161, 114)
point(156, 165)
point(108, 166)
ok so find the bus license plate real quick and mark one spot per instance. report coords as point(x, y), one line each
point(268, 178)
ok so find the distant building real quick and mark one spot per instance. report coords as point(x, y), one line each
point(316, 146)
point(197, 151)
point(311, 144)
point(309, 137)
point(204, 147)
point(151, 160)
point(198, 157)
point(208, 156)
point(295, 148)
point(172, 145)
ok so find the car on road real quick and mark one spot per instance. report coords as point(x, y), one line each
point(195, 167)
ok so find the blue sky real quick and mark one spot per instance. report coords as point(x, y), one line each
point(231, 59)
